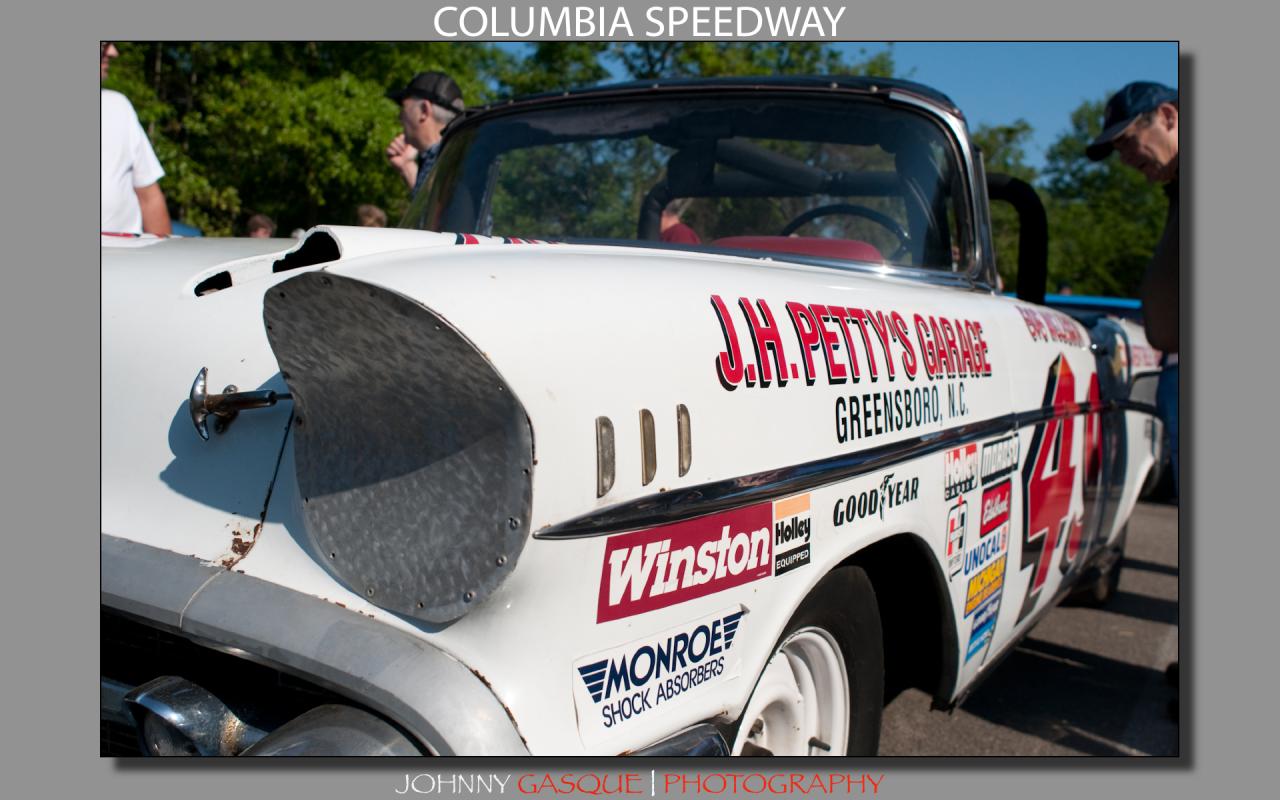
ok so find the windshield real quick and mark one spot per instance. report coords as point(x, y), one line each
point(843, 178)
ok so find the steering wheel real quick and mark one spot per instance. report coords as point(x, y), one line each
point(853, 210)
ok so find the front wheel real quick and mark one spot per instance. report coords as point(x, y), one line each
point(822, 691)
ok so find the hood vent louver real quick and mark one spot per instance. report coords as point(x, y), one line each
point(317, 248)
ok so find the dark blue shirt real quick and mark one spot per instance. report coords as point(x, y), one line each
point(426, 160)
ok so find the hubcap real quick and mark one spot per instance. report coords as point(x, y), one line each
point(801, 704)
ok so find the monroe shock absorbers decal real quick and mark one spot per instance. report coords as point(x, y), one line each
point(614, 687)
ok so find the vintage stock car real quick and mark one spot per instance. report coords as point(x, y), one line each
point(676, 418)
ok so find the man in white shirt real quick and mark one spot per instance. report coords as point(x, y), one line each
point(132, 201)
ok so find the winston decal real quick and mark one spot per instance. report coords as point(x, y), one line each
point(661, 567)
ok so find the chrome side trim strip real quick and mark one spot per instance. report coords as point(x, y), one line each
point(709, 498)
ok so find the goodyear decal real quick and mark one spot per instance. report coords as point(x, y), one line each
point(642, 678)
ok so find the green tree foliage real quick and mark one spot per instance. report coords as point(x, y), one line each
point(293, 130)
point(1104, 218)
point(298, 130)
point(650, 60)
point(554, 66)
point(1004, 151)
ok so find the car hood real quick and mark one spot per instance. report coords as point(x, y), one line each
point(170, 308)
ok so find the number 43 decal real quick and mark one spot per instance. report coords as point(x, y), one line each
point(1049, 478)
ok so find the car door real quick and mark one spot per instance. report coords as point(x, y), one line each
point(1036, 503)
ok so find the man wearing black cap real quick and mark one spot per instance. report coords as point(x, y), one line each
point(427, 104)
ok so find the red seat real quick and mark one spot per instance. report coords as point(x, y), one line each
point(850, 249)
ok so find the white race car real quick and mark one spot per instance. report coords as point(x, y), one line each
point(700, 423)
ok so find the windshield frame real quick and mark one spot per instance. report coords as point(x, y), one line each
point(977, 264)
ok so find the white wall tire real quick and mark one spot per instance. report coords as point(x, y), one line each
point(822, 691)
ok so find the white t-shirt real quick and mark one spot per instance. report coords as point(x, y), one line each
point(128, 163)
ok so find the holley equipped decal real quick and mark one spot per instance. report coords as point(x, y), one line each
point(792, 527)
point(959, 471)
point(616, 686)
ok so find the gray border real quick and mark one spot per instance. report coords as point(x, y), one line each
point(52, 303)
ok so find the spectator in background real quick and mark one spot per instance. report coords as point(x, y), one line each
point(1141, 125)
point(132, 201)
point(427, 104)
point(370, 216)
point(671, 229)
point(260, 226)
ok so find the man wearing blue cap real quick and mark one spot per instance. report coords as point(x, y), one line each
point(1141, 125)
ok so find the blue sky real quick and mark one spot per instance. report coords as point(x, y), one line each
point(1041, 82)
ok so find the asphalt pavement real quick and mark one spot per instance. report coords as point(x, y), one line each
point(1085, 681)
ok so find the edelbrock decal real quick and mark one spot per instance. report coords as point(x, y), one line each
point(651, 569)
point(617, 686)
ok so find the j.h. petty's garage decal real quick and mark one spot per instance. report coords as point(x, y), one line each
point(841, 345)
point(660, 567)
point(855, 344)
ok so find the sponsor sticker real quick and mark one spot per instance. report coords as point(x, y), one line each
point(959, 471)
point(999, 458)
point(993, 528)
point(651, 569)
point(792, 526)
point(984, 585)
point(957, 525)
point(984, 628)
point(995, 507)
point(613, 688)
point(890, 494)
